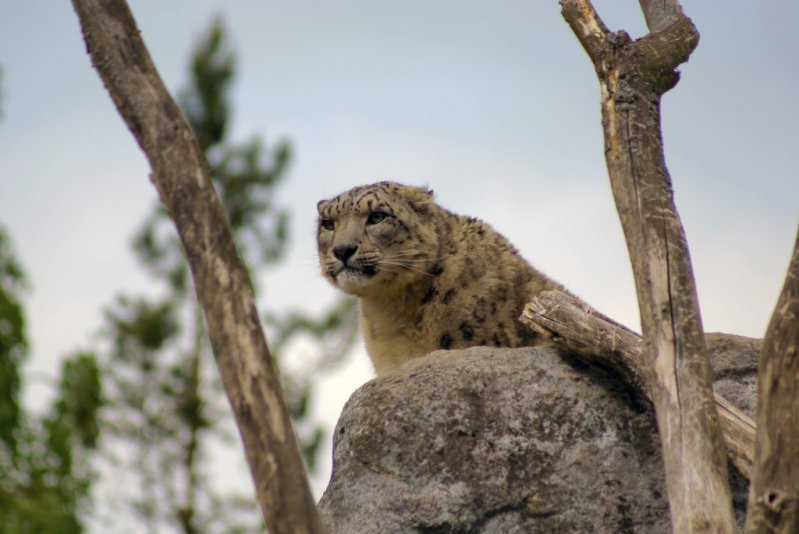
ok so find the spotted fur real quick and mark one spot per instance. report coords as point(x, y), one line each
point(426, 278)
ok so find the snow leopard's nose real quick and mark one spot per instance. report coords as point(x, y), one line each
point(344, 252)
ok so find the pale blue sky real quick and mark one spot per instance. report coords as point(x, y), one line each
point(493, 104)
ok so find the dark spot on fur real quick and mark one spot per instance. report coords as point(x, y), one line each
point(419, 318)
point(437, 270)
point(527, 335)
point(402, 225)
point(448, 296)
point(429, 294)
point(502, 294)
point(469, 272)
point(478, 311)
point(466, 331)
point(446, 341)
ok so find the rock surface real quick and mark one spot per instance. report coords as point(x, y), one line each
point(502, 441)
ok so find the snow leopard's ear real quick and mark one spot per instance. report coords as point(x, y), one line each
point(420, 199)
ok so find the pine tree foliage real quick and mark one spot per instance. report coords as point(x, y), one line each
point(44, 459)
point(13, 342)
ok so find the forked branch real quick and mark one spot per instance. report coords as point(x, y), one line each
point(633, 75)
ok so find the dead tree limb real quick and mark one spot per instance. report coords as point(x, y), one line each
point(633, 75)
point(774, 492)
point(181, 175)
point(586, 332)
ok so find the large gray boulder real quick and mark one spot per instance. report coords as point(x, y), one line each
point(502, 441)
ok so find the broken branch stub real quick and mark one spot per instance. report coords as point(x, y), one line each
point(580, 329)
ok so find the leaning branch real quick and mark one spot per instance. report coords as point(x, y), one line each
point(633, 75)
point(585, 331)
point(181, 175)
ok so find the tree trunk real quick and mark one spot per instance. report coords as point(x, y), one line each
point(633, 76)
point(180, 173)
point(774, 493)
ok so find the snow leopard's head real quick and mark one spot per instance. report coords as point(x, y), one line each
point(377, 236)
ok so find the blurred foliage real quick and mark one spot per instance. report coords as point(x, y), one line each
point(166, 410)
point(164, 414)
point(45, 468)
point(332, 336)
point(13, 343)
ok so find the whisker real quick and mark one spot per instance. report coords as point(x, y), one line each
point(407, 256)
point(415, 264)
point(410, 253)
point(404, 265)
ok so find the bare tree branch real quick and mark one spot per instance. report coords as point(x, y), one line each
point(633, 76)
point(180, 173)
point(774, 493)
point(660, 13)
point(587, 332)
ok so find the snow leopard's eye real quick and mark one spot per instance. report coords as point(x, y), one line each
point(327, 224)
point(376, 217)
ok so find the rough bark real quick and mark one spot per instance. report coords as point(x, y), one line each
point(181, 175)
point(595, 337)
point(633, 76)
point(774, 493)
